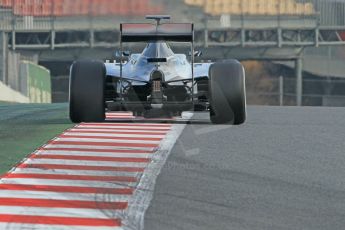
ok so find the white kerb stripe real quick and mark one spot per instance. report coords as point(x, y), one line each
point(75, 183)
point(97, 147)
point(125, 128)
point(64, 196)
point(94, 154)
point(79, 172)
point(19, 226)
point(85, 163)
point(113, 135)
point(105, 140)
point(120, 131)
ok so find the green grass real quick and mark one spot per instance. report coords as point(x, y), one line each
point(25, 127)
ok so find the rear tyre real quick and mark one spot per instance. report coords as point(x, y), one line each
point(227, 93)
point(86, 93)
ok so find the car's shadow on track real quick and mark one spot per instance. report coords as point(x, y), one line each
point(195, 118)
point(162, 121)
point(188, 118)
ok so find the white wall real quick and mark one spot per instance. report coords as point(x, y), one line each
point(10, 95)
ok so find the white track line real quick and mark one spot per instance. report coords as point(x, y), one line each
point(144, 192)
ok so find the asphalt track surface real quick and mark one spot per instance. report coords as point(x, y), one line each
point(284, 169)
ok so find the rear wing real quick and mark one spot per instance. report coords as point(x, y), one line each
point(146, 32)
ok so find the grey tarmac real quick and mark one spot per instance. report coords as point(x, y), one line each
point(284, 169)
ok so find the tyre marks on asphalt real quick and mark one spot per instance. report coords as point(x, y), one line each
point(93, 176)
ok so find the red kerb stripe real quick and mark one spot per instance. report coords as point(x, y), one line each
point(128, 124)
point(122, 128)
point(49, 203)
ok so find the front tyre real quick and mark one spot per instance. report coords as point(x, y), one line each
point(227, 93)
point(86, 92)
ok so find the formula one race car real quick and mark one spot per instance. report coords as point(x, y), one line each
point(157, 81)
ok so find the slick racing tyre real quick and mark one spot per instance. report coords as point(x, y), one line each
point(227, 93)
point(86, 92)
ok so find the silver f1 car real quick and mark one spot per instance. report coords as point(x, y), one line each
point(157, 81)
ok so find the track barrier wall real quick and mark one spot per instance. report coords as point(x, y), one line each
point(27, 79)
point(35, 82)
point(275, 91)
